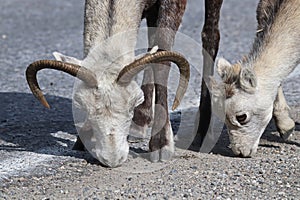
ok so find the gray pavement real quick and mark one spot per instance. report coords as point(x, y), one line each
point(36, 156)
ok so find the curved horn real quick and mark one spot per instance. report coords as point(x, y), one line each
point(75, 70)
point(129, 71)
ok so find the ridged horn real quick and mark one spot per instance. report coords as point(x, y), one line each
point(75, 70)
point(128, 72)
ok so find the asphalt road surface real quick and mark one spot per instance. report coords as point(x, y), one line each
point(36, 156)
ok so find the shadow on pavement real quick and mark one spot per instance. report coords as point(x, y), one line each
point(25, 125)
point(271, 137)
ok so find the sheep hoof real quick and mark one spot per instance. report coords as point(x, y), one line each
point(154, 156)
point(166, 155)
point(285, 127)
point(286, 134)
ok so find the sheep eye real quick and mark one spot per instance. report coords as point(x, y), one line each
point(242, 119)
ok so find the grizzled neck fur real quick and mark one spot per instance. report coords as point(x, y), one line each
point(276, 49)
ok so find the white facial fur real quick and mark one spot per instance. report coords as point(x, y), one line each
point(108, 112)
point(248, 108)
point(245, 134)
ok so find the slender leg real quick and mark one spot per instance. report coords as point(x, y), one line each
point(143, 114)
point(285, 125)
point(169, 18)
point(210, 45)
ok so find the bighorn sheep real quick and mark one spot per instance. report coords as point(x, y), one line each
point(252, 87)
point(107, 92)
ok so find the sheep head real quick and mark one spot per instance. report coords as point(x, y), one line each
point(107, 99)
point(248, 106)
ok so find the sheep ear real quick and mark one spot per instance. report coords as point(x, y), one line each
point(248, 81)
point(60, 57)
point(224, 68)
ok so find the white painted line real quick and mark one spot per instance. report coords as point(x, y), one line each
point(22, 163)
